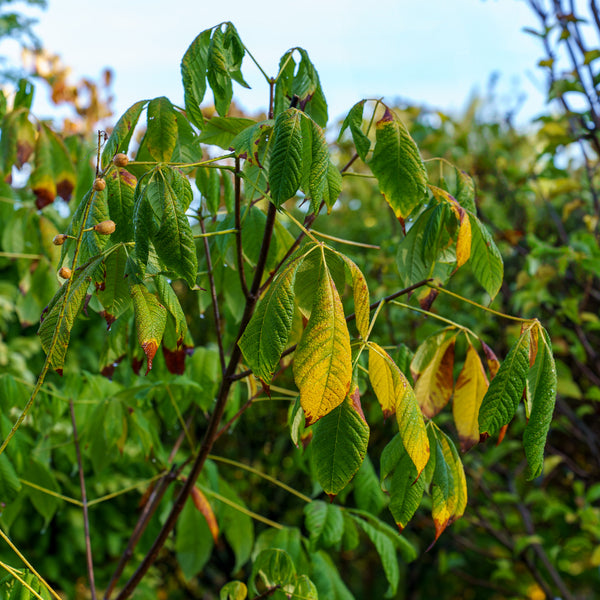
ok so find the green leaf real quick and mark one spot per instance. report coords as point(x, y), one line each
point(327, 578)
point(387, 553)
point(193, 540)
point(333, 186)
point(339, 444)
point(354, 120)
point(324, 523)
point(367, 491)
point(44, 503)
point(120, 188)
point(250, 143)
point(400, 479)
point(150, 321)
point(193, 75)
point(285, 171)
point(95, 242)
point(542, 383)
point(410, 257)
point(504, 394)
point(397, 165)
point(486, 261)
point(61, 322)
point(169, 194)
point(274, 568)
point(267, 334)
point(315, 162)
point(465, 191)
point(9, 480)
point(114, 294)
point(121, 134)
point(221, 131)
point(234, 590)
point(161, 136)
point(212, 196)
point(170, 301)
point(218, 75)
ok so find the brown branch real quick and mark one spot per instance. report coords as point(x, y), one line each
point(215, 419)
point(214, 299)
point(86, 521)
point(267, 593)
point(149, 509)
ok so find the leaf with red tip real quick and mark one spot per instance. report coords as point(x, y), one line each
point(150, 321)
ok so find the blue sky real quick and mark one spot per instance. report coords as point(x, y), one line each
point(436, 52)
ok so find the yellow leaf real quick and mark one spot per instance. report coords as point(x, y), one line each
point(457, 498)
point(463, 242)
point(395, 395)
point(361, 297)
point(434, 386)
point(323, 362)
point(471, 387)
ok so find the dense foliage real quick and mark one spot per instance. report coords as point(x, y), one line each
point(204, 246)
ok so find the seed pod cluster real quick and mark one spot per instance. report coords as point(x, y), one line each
point(59, 239)
point(99, 184)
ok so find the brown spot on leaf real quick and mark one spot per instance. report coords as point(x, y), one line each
point(175, 360)
point(483, 436)
point(24, 151)
point(305, 438)
point(110, 319)
point(466, 443)
point(64, 189)
point(43, 197)
point(355, 397)
point(136, 364)
point(387, 116)
point(425, 302)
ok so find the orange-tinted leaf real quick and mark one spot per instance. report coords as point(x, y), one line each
point(322, 362)
point(501, 434)
point(471, 386)
point(433, 388)
point(203, 505)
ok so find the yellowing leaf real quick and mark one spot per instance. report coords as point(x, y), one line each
point(434, 386)
point(322, 362)
point(396, 396)
point(471, 387)
point(361, 297)
point(203, 505)
point(463, 243)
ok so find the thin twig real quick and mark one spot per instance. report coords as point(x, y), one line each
point(86, 520)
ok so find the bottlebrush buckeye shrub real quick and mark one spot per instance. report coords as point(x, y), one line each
point(213, 218)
